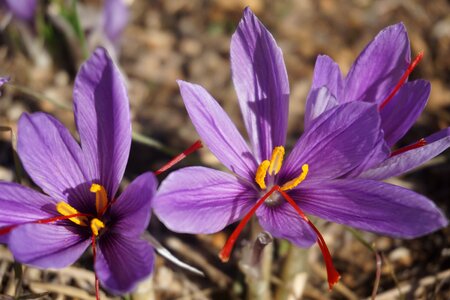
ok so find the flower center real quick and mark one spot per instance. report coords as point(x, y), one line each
point(268, 169)
point(101, 204)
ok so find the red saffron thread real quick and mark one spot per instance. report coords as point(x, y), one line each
point(197, 145)
point(418, 144)
point(7, 229)
point(224, 254)
point(332, 274)
point(402, 80)
point(94, 253)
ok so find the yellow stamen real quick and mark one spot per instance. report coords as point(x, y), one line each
point(66, 209)
point(101, 198)
point(261, 173)
point(296, 181)
point(96, 225)
point(277, 160)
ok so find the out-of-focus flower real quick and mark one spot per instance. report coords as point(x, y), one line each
point(379, 75)
point(79, 207)
point(203, 200)
point(22, 9)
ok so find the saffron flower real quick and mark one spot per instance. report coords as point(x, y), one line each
point(278, 190)
point(379, 75)
point(23, 9)
point(80, 207)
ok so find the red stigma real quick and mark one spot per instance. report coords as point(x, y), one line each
point(418, 144)
point(402, 80)
point(197, 145)
point(224, 255)
point(8, 229)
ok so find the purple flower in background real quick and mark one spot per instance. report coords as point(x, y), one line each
point(115, 19)
point(79, 207)
point(379, 75)
point(22, 9)
point(278, 190)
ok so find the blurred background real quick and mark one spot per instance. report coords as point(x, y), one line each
point(157, 42)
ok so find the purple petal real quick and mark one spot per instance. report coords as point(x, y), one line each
point(319, 101)
point(52, 158)
point(103, 119)
point(327, 73)
point(406, 161)
point(336, 142)
point(376, 155)
point(122, 261)
point(379, 66)
point(371, 205)
point(131, 211)
point(402, 111)
point(217, 131)
point(115, 18)
point(20, 204)
point(284, 222)
point(262, 86)
point(23, 9)
point(202, 200)
point(47, 245)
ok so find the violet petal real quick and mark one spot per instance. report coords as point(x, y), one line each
point(380, 66)
point(398, 116)
point(371, 205)
point(202, 200)
point(53, 159)
point(122, 261)
point(217, 130)
point(406, 161)
point(47, 245)
point(131, 211)
point(261, 82)
point(319, 101)
point(103, 119)
point(336, 142)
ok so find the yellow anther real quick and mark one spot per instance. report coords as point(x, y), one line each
point(66, 209)
point(96, 225)
point(101, 198)
point(296, 181)
point(277, 160)
point(261, 174)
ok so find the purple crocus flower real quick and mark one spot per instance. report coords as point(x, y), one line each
point(79, 207)
point(22, 9)
point(379, 76)
point(203, 200)
point(115, 19)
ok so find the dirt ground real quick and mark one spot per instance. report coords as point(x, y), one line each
point(189, 40)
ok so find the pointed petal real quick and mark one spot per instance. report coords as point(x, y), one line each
point(406, 161)
point(284, 222)
point(327, 73)
point(373, 206)
point(260, 78)
point(52, 158)
point(379, 66)
point(103, 119)
point(115, 18)
point(336, 142)
point(217, 131)
point(131, 212)
point(319, 101)
point(47, 245)
point(122, 261)
point(398, 116)
point(202, 200)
